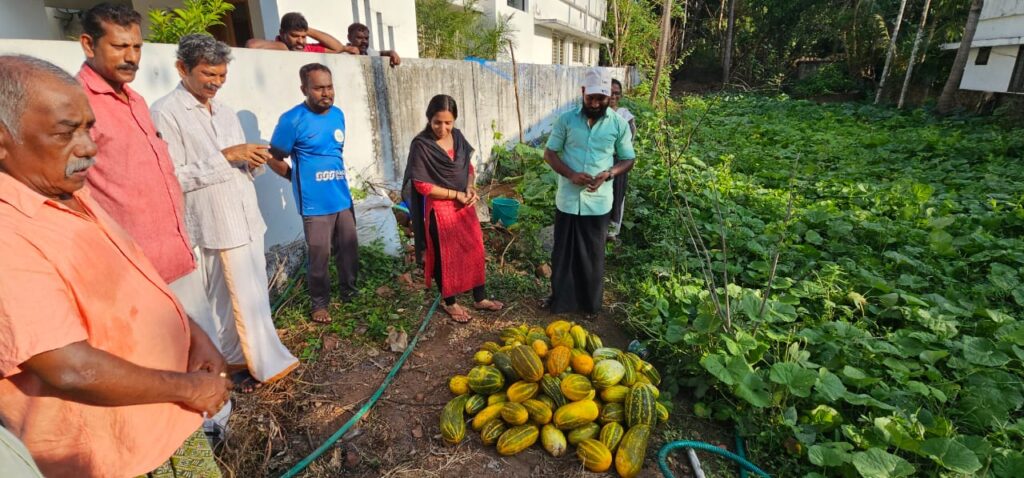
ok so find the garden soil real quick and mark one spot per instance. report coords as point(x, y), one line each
point(281, 423)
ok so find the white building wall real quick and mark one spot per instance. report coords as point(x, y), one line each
point(533, 42)
point(24, 19)
point(994, 76)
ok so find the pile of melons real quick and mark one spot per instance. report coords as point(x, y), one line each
point(560, 385)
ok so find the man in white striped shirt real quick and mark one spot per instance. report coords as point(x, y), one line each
point(215, 167)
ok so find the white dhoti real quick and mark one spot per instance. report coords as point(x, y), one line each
point(237, 290)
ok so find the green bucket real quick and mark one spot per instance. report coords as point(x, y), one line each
point(505, 210)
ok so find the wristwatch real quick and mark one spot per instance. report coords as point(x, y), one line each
point(611, 174)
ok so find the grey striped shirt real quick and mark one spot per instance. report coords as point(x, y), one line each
point(221, 210)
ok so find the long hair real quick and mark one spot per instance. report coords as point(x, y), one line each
point(438, 104)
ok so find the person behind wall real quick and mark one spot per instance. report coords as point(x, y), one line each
point(294, 35)
point(581, 149)
point(359, 44)
point(215, 167)
point(101, 371)
point(439, 187)
point(313, 135)
point(620, 182)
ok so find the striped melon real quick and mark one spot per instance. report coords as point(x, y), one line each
point(553, 440)
point(576, 387)
point(585, 432)
point(607, 373)
point(615, 394)
point(475, 403)
point(539, 412)
point(595, 456)
point(492, 431)
point(485, 379)
point(520, 392)
point(491, 412)
point(579, 336)
point(640, 406)
point(558, 360)
point(517, 439)
point(514, 413)
point(575, 414)
point(612, 412)
point(629, 459)
point(552, 387)
point(453, 423)
point(526, 363)
point(611, 434)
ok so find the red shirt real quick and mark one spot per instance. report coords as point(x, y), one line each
point(310, 47)
point(133, 178)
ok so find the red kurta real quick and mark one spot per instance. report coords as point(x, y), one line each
point(461, 242)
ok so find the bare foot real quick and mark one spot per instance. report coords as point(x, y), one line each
point(488, 304)
point(321, 316)
point(457, 313)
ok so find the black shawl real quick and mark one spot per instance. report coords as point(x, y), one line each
point(429, 163)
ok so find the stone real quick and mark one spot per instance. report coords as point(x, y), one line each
point(546, 237)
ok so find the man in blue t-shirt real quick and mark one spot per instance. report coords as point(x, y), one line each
point(313, 134)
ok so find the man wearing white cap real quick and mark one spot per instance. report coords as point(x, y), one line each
point(582, 149)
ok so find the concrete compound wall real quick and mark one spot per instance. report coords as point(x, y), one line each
point(384, 107)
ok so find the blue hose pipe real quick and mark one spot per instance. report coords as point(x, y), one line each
point(702, 446)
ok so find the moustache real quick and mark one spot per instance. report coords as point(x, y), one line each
point(212, 87)
point(128, 67)
point(78, 165)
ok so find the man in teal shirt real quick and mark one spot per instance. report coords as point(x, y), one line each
point(582, 150)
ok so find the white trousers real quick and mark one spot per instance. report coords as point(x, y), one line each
point(237, 292)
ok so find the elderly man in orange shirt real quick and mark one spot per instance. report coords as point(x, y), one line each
point(103, 374)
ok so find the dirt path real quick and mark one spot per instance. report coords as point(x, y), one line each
point(280, 424)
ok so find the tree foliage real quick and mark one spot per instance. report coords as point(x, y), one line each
point(196, 16)
point(448, 31)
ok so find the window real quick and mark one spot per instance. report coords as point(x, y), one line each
point(1017, 78)
point(557, 50)
point(593, 54)
point(983, 53)
point(237, 27)
point(517, 4)
point(577, 52)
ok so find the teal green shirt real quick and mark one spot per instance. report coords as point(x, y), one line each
point(591, 150)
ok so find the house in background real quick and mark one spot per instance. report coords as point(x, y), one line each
point(560, 32)
point(996, 63)
point(392, 23)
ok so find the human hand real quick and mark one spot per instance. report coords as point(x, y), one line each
point(250, 155)
point(580, 179)
point(351, 50)
point(203, 356)
point(471, 196)
point(209, 392)
point(596, 183)
point(395, 59)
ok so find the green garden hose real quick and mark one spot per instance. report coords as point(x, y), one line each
point(369, 404)
point(702, 446)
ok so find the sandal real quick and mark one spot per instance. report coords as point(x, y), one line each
point(321, 316)
point(489, 305)
point(457, 313)
point(244, 382)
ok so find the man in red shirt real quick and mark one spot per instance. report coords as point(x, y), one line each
point(294, 35)
point(133, 178)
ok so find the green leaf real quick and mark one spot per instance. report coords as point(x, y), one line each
point(941, 242)
point(951, 455)
point(1003, 276)
point(813, 237)
point(981, 351)
point(830, 454)
point(877, 463)
point(752, 389)
point(829, 385)
point(715, 365)
point(797, 379)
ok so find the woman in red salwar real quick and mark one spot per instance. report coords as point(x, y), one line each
point(438, 186)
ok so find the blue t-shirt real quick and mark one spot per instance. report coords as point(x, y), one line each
point(315, 143)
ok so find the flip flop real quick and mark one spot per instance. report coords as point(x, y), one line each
point(462, 318)
point(321, 316)
point(245, 382)
point(494, 307)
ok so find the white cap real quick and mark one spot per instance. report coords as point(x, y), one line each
point(597, 82)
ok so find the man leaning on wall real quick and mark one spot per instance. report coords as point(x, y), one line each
point(359, 44)
point(294, 35)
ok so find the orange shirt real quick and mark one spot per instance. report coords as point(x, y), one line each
point(133, 178)
point(68, 277)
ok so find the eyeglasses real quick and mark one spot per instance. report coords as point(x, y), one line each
point(617, 93)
